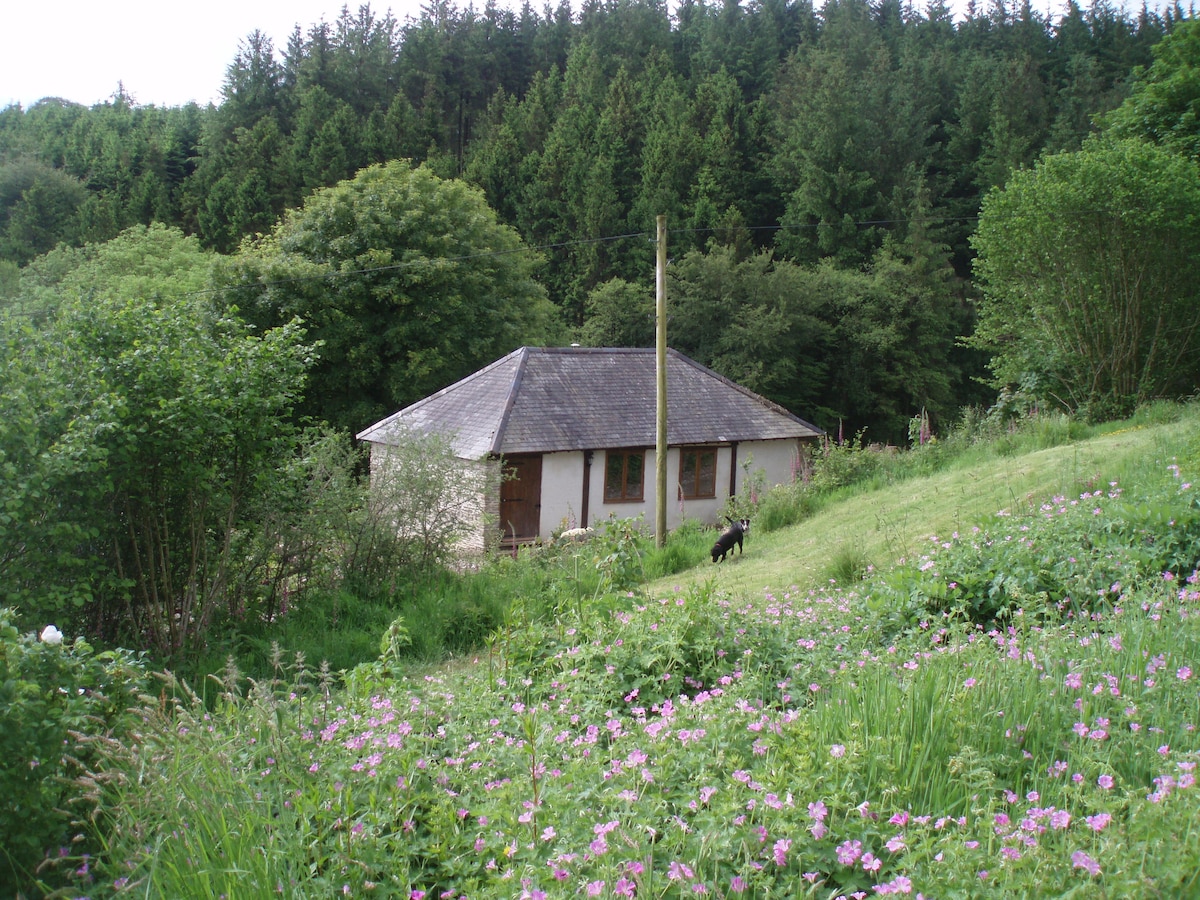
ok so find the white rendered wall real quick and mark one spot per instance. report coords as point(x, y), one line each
point(562, 488)
point(562, 491)
point(775, 459)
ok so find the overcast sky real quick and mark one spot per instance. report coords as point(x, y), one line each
point(167, 52)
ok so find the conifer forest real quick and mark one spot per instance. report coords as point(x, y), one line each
point(822, 171)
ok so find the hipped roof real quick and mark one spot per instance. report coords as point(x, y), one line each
point(543, 400)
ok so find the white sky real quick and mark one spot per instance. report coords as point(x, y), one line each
point(167, 52)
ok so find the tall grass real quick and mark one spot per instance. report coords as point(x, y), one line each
point(615, 743)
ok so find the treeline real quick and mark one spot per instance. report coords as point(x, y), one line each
point(853, 142)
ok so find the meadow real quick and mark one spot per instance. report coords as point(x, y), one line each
point(958, 674)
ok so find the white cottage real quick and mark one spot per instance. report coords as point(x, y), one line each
point(575, 430)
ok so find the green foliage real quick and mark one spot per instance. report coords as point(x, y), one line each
point(1081, 297)
point(140, 435)
point(831, 343)
point(781, 745)
point(1164, 104)
point(619, 314)
point(686, 547)
point(617, 551)
point(406, 279)
point(38, 207)
point(61, 702)
point(154, 261)
point(703, 742)
point(1076, 556)
point(691, 646)
point(849, 566)
point(786, 505)
point(754, 320)
point(838, 465)
point(843, 137)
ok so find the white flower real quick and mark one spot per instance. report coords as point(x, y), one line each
point(51, 635)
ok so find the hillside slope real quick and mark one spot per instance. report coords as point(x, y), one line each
point(886, 524)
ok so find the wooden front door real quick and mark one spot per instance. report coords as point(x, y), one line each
point(521, 498)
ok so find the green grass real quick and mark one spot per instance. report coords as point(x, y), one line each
point(886, 523)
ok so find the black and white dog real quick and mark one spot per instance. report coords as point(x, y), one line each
point(730, 536)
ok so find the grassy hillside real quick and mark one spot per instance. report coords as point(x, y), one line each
point(1009, 713)
point(882, 523)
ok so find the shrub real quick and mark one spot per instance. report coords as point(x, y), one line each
point(60, 700)
point(841, 465)
point(137, 436)
point(786, 504)
point(686, 547)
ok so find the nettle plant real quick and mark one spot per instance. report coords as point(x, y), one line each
point(61, 701)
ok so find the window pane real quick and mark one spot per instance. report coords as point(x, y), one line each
point(698, 473)
point(687, 473)
point(633, 476)
point(614, 476)
point(706, 476)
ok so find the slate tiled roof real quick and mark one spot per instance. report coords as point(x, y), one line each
point(541, 400)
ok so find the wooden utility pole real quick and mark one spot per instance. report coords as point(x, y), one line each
point(660, 445)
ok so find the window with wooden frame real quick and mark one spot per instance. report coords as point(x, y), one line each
point(624, 472)
point(698, 473)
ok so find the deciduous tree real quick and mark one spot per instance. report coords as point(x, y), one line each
point(139, 428)
point(406, 279)
point(1088, 299)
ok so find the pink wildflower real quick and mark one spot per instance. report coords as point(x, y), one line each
point(849, 852)
point(1081, 860)
point(677, 871)
point(780, 850)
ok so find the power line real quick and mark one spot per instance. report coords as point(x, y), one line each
point(561, 245)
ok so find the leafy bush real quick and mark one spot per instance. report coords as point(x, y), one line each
point(137, 437)
point(785, 505)
point(62, 701)
point(618, 549)
point(685, 547)
point(841, 465)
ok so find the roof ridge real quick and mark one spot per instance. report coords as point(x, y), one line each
point(514, 388)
